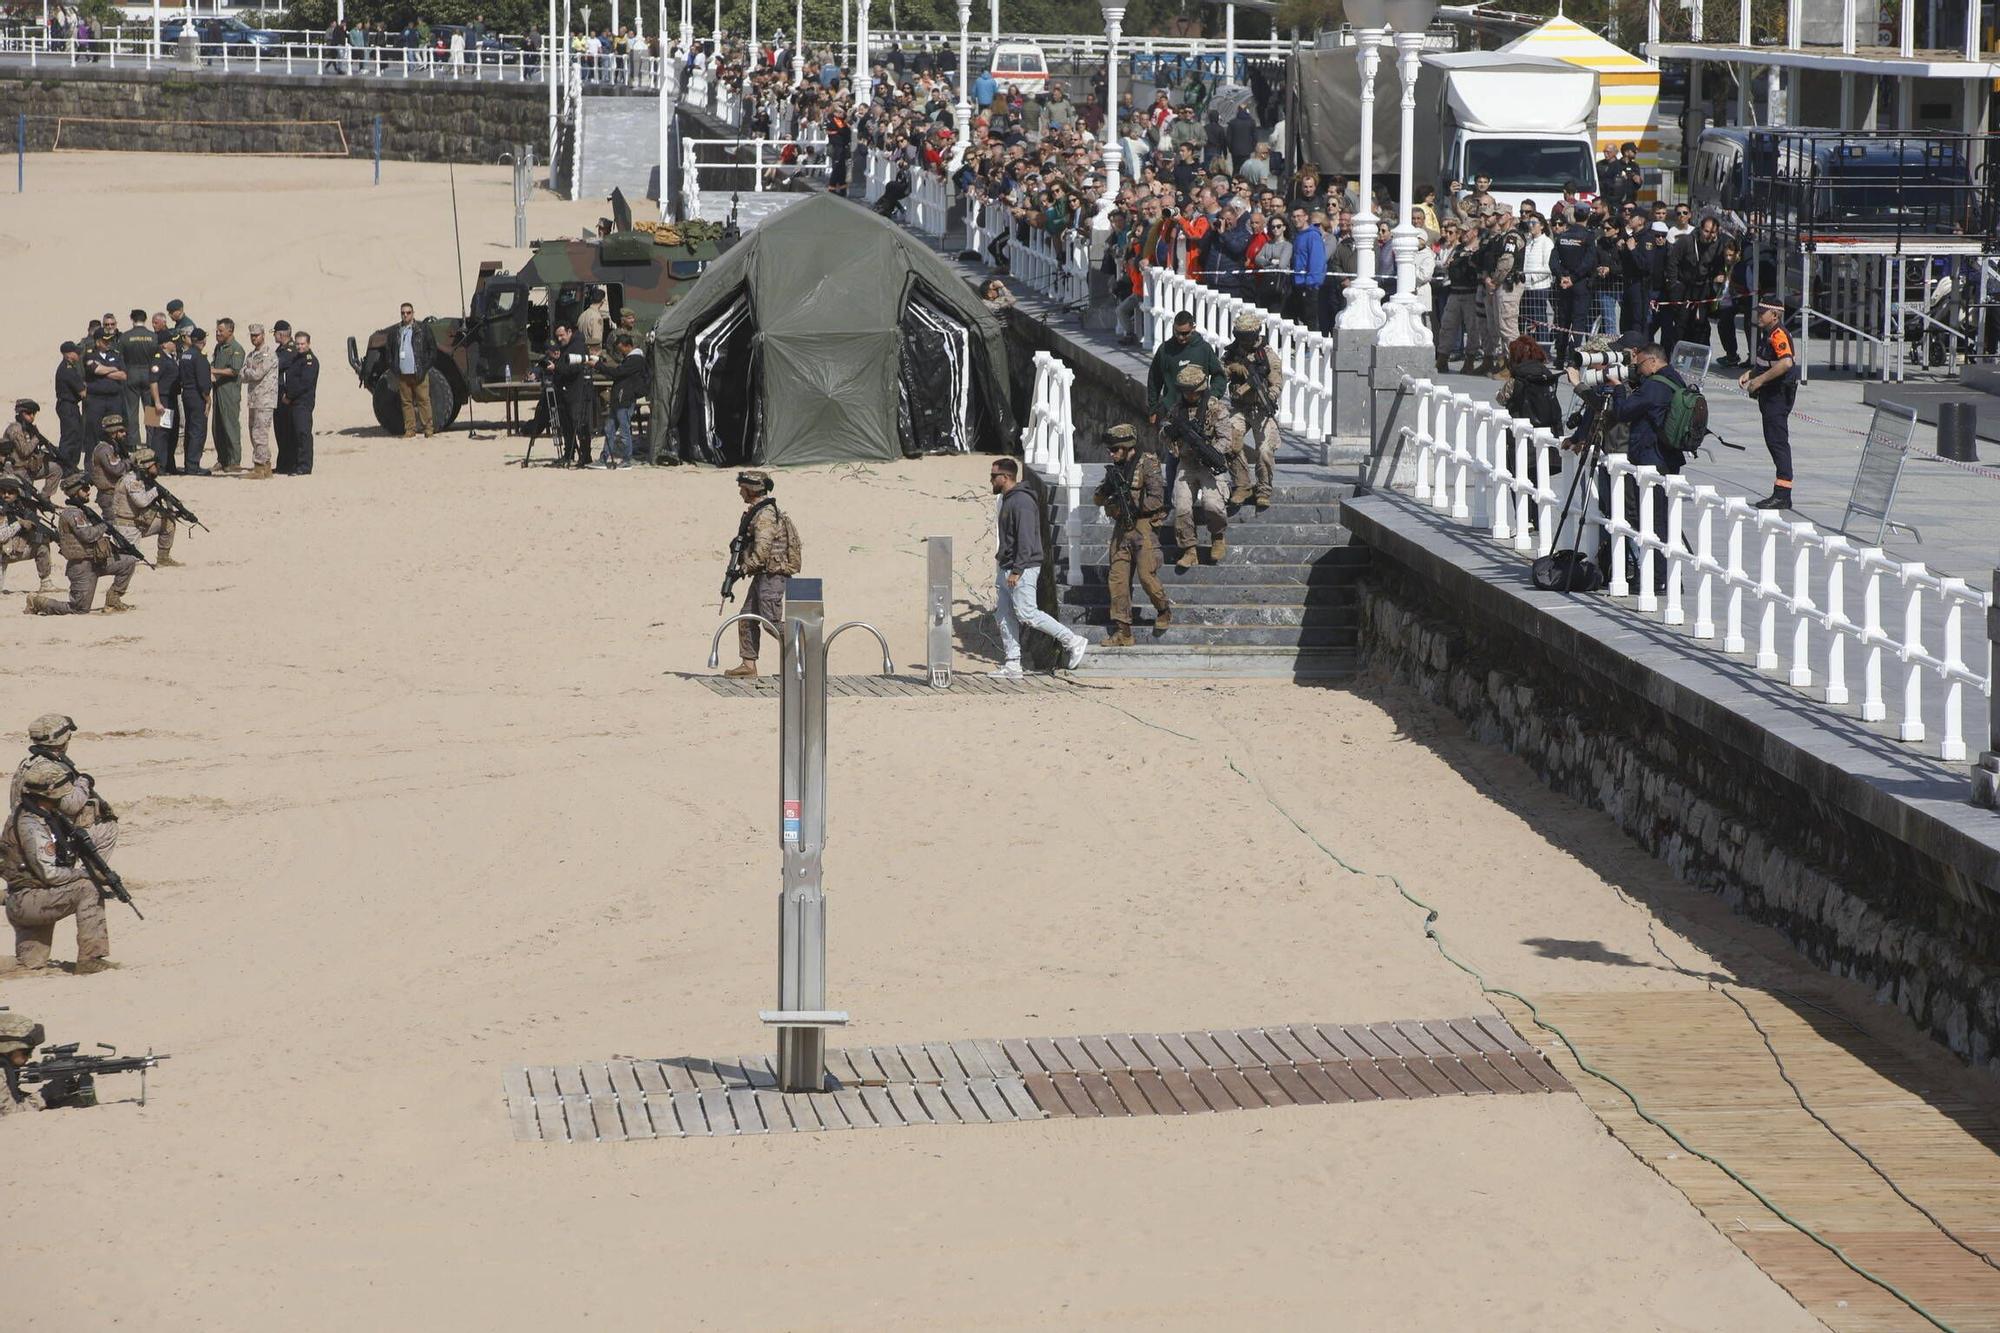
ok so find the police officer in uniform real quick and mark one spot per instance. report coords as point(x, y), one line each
point(197, 388)
point(1256, 374)
point(1134, 549)
point(1198, 415)
point(86, 547)
point(163, 424)
point(1575, 259)
point(70, 389)
point(1773, 380)
point(281, 334)
point(136, 349)
point(298, 387)
point(105, 377)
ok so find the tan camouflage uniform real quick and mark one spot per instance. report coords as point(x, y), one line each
point(133, 510)
point(1260, 444)
point(762, 561)
point(260, 380)
point(42, 889)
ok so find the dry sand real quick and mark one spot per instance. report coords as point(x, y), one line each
point(413, 793)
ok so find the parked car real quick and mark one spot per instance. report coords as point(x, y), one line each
point(216, 33)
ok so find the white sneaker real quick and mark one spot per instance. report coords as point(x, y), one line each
point(1011, 671)
point(1077, 648)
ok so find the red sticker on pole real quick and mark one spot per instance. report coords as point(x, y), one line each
point(791, 821)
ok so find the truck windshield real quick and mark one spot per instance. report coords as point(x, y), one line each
point(1529, 164)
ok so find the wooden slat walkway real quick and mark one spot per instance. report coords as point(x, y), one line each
point(892, 687)
point(1032, 1078)
point(1698, 1065)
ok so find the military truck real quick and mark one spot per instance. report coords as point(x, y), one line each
point(487, 355)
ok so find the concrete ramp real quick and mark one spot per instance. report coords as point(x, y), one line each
point(621, 146)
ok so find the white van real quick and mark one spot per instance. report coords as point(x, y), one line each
point(1020, 66)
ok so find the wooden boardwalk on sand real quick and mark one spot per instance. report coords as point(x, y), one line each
point(1698, 1065)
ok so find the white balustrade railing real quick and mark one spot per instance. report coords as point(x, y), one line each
point(1048, 444)
point(707, 187)
point(1305, 401)
point(1731, 570)
point(984, 219)
point(929, 205)
point(301, 53)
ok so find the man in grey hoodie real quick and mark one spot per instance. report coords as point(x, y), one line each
point(1019, 557)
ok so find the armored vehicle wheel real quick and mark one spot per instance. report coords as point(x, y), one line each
point(389, 407)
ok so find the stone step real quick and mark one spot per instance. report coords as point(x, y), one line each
point(1283, 492)
point(1186, 593)
point(1314, 514)
point(1174, 662)
point(1238, 636)
point(1244, 531)
point(1252, 554)
point(1224, 617)
point(1341, 563)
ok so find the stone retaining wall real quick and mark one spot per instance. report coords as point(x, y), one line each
point(1855, 900)
point(422, 120)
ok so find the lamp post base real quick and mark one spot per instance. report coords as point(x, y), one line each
point(1403, 325)
point(1364, 305)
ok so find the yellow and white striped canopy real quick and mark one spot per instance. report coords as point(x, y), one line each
point(1628, 89)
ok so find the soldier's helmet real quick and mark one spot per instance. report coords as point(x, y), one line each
point(18, 1032)
point(1191, 376)
point(111, 421)
point(26, 406)
point(143, 456)
point(44, 775)
point(74, 483)
point(755, 477)
point(10, 482)
point(51, 729)
point(1247, 323)
point(1120, 436)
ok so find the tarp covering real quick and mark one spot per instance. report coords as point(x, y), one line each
point(829, 285)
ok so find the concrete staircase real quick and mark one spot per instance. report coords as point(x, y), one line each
point(621, 146)
point(1284, 602)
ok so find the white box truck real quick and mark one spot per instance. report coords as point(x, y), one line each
point(1529, 122)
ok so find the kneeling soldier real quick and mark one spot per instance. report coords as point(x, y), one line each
point(1139, 482)
point(86, 547)
point(1200, 429)
point(1256, 373)
point(46, 880)
point(135, 508)
point(22, 535)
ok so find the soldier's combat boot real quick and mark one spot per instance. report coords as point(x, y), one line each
point(1217, 549)
point(747, 670)
point(113, 602)
point(1263, 501)
point(1239, 495)
point(1163, 620)
point(94, 966)
point(261, 472)
point(1120, 637)
point(1189, 558)
point(168, 562)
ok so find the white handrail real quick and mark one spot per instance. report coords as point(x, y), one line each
point(1768, 562)
point(1048, 444)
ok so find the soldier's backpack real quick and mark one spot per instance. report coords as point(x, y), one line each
point(1686, 424)
point(792, 559)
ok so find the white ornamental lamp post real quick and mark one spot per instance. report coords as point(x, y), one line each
point(687, 28)
point(799, 43)
point(1404, 323)
point(864, 73)
point(1363, 310)
point(961, 114)
point(1114, 19)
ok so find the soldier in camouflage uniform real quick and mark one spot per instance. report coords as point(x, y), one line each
point(21, 452)
point(108, 459)
point(48, 738)
point(1255, 375)
point(18, 541)
point(1197, 484)
point(764, 559)
point(86, 546)
point(134, 508)
point(46, 882)
point(19, 1036)
point(1133, 547)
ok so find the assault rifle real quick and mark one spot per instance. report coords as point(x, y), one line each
point(119, 541)
point(734, 573)
point(70, 1075)
point(42, 445)
point(104, 810)
point(25, 516)
point(172, 504)
point(1172, 428)
point(76, 842)
point(1115, 495)
point(1254, 375)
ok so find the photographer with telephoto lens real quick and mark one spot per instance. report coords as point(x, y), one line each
point(1635, 389)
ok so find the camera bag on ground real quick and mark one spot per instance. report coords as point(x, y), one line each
point(1571, 570)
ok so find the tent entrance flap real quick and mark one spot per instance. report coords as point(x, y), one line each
point(721, 406)
point(934, 390)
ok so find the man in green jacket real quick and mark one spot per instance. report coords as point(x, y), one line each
point(226, 372)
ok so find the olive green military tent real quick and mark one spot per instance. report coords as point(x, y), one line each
point(826, 335)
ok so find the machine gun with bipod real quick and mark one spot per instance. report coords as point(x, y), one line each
point(69, 1077)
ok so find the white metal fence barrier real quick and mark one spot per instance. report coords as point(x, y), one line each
point(1305, 403)
point(1741, 568)
point(1048, 444)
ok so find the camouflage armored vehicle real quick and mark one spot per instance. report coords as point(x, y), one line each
point(486, 357)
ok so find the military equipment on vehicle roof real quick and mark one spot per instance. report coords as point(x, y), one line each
point(487, 356)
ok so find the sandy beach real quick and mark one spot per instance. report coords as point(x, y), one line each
point(415, 790)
